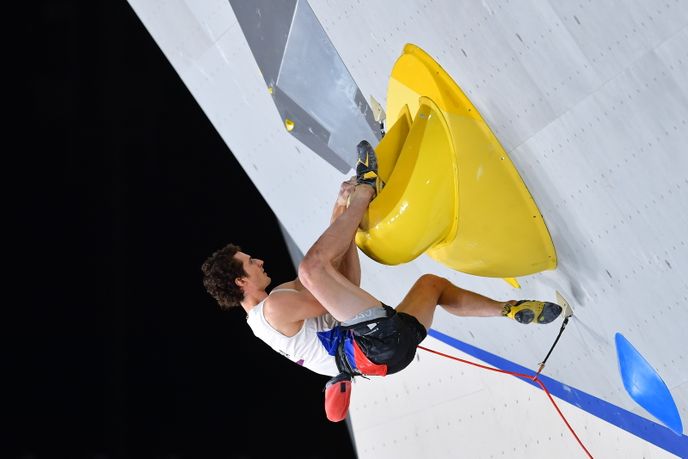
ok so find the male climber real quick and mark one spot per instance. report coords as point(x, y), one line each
point(325, 322)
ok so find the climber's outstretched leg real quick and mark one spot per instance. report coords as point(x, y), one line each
point(429, 291)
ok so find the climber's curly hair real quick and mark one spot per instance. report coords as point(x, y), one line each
point(220, 270)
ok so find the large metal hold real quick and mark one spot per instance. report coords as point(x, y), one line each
point(314, 93)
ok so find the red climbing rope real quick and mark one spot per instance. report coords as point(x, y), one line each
point(520, 375)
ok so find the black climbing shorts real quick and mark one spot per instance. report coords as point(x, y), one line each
point(392, 341)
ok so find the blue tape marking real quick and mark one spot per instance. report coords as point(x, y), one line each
point(652, 432)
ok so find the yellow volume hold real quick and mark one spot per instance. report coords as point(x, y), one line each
point(451, 190)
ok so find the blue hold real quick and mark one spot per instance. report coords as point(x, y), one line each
point(644, 385)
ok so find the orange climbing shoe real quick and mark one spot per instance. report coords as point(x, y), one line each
point(527, 311)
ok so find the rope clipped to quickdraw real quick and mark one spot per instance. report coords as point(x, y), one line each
point(542, 364)
point(525, 376)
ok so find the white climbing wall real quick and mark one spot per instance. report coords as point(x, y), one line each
point(457, 410)
point(590, 100)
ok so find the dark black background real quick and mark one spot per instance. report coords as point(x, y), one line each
point(116, 350)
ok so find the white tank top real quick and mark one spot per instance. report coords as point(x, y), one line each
point(309, 347)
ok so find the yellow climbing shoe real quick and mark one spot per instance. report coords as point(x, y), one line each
point(527, 311)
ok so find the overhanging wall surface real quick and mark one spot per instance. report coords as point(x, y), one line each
point(591, 103)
